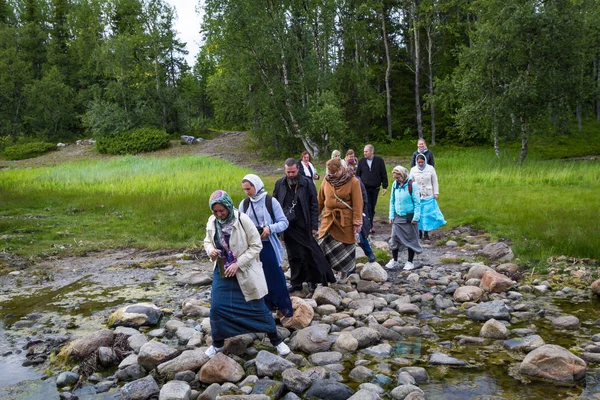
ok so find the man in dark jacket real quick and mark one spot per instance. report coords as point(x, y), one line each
point(371, 171)
point(298, 198)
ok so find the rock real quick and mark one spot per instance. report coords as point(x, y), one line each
point(327, 295)
point(591, 357)
point(596, 287)
point(495, 282)
point(566, 322)
point(188, 139)
point(326, 357)
point(498, 252)
point(345, 343)
point(381, 350)
point(173, 324)
point(84, 346)
point(312, 339)
point(374, 272)
point(507, 268)
point(34, 389)
point(153, 353)
point(408, 308)
point(492, 309)
point(443, 359)
point(525, 344)
point(269, 364)
point(494, 329)
point(140, 389)
point(477, 271)
point(191, 360)
point(194, 278)
point(402, 392)
point(367, 286)
point(272, 389)
point(127, 361)
point(211, 392)
point(295, 380)
point(418, 373)
point(452, 243)
point(175, 390)
point(137, 341)
point(67, 378)
point(468, 293)
point(361, 374)
point(329, 389)
point(364, 394)
point(130, 373)
point(555, 364)
point(126, 331)
point(303, 315)
point(366, 336)
point(404, 378)
point(442, 303)
point(195, 308)
point(221, 369)
point(135, 315)
point(184, 334)
point(107, 357)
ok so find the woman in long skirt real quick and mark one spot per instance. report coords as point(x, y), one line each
point(431, 216)
point(237, 307)
point(269, 220)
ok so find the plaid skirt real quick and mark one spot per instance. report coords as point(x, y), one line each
point(341, 256)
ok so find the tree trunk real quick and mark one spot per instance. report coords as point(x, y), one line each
point(387, 75)
point(524, 139)
point(579, 116)
point(496, 143)
point(431, 91)
point(417, 57)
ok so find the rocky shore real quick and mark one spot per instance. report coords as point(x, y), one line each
point(380, 335)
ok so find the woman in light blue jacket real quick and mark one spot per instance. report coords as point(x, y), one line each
point(405, 212)
point(269, 220)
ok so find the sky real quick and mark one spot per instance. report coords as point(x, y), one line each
point(188, 26)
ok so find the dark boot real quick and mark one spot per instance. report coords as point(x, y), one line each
point(420, 234)
point(426, 235)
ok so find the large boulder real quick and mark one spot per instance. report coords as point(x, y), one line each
point(555, 364)
point(366, 336)
point(82, 347)
point(476, 271)
point(269, 364)
point(221, 369)
point(135, 315)
point(498, 252)
point(495, 282)
point(327, 295)
point(312, 339)
point(373, 272)
point(303, 315)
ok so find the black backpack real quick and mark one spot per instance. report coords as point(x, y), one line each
point(268, 203)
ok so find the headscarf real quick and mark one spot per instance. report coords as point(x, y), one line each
point(259, 186)
point(424, 159)
point(403, 172)
point(223, 226)
point(333, 166)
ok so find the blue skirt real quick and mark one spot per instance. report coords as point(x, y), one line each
point(232, 315)
point(278, 297)
point(431, 216)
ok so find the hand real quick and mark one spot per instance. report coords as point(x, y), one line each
point(357, 228)
point(214, 253)
point(316, 177)
point(391, 221)
point(266, 232)
point(436, 195)
point(383, 192)
point(231, 270)
point(414, 222)
point(314, 231)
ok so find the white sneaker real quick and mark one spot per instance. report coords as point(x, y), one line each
point(282, 349)
point(392, 264)
point(212, 351)
point(408, 266)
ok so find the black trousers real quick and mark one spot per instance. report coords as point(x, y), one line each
point(372, 194)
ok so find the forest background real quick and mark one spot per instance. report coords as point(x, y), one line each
point(519, 76)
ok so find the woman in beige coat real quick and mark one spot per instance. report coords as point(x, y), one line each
point(340, 205)
point(237, 307)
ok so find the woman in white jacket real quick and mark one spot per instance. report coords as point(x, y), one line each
point(431, 216)
point(237, 307)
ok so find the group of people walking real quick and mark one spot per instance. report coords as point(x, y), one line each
point(243, 243)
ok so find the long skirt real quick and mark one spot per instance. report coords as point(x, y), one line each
point(405, 235)
point(307, 261)
point(232, 315)
point(341, 256)
point(431, 215)
point(278, 297)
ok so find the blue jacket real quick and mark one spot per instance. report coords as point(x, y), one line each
point(264, 219)
point(402, 203)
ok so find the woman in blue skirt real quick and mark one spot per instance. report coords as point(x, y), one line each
point(237, 307)
point(267, 215)
point(425, 176)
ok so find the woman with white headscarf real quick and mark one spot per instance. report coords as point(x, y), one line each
point(267, 215)
point(431, 216)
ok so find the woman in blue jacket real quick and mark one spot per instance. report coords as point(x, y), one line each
point(405, 212)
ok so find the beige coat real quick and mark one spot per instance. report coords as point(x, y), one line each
point(245, 243)
point(336, 218)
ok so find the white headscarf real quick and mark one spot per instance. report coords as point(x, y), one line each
point(259, 186)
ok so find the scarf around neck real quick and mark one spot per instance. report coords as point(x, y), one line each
point(337, 181)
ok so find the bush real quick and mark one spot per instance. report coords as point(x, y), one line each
point(133, 142)
point(28, 150)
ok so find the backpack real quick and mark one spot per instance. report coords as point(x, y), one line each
point(409, 183)
point(268, 203)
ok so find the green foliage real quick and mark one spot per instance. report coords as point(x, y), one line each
point(27, 150)
point(134, 141)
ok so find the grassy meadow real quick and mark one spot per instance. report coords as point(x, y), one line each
point(545, 207)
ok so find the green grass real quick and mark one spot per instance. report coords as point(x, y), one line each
point(130, 201)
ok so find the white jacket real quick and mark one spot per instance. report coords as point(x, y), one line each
point(245, 243)
point(427, 181)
